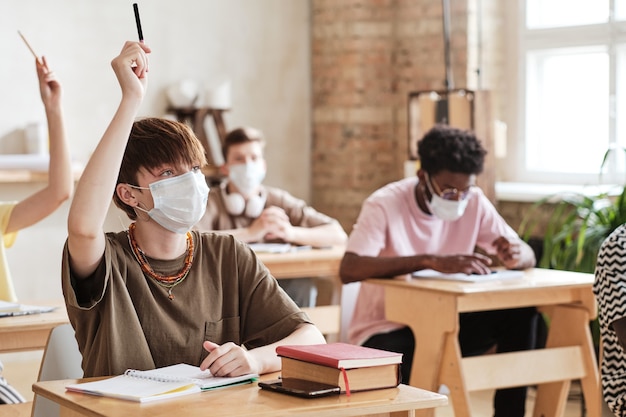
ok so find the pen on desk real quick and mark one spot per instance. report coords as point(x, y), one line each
point(138, 22)
point(30, 48)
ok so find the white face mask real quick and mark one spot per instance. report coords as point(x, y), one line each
point(448, 210)
point(179, 202)
point(247, 177)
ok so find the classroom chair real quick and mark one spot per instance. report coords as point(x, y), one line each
point(349, 294)
point(61, 360)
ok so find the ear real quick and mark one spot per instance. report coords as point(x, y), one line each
point(224, 169)
point(421, 175)
point(126, 194)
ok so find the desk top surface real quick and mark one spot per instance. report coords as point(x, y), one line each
point(304, 263)
point(30, 322)
point(245, 400)
point(302, 255)
point(534, 278)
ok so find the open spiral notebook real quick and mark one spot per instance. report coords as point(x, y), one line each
point(156, 384)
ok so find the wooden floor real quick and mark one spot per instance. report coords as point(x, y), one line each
point(21, 370)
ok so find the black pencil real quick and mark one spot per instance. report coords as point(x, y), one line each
point(138, 21)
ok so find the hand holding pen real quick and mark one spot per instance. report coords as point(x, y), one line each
point(131, 67)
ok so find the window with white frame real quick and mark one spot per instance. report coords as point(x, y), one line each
point(571, 106)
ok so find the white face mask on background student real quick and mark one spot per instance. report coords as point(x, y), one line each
point(179, 202)
point(247, 177)
point(448, 210)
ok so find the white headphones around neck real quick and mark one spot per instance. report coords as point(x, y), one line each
point(236, 205)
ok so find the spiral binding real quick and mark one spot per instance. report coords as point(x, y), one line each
point(134, 373)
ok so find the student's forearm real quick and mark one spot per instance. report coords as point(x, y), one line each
point(357, 268)
point(95, 188)
point(42, 203)
point(266, 357)
point(60, 180)
point(325, 235)
point(94, 191)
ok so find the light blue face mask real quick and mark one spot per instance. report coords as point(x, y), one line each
point(179, 202)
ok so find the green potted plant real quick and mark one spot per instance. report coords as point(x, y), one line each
point(576, 228)
point(578, 224)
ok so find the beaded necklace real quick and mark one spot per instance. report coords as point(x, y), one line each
point(167, 282)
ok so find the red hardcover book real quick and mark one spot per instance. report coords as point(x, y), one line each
point(340, 355)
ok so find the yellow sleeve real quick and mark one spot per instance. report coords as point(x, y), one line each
point(7, 291)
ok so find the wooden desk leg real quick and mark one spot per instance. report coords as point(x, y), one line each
point(329, 290)
point(569, 326)
point(431, 318)
point(451, 375)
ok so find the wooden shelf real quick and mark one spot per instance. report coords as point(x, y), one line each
point(12, 176)
point(195, 117)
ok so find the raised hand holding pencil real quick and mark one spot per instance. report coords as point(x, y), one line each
point(60, 182)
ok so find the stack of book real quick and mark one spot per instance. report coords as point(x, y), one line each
point(350, 367)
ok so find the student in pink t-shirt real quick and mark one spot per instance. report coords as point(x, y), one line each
point(435, 221)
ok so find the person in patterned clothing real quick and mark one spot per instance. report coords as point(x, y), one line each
point(610, 291)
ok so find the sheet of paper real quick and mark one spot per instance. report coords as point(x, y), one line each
point(495, 275)
point(270, 247)
point(8, 309)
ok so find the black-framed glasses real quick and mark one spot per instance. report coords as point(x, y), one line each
point(452, 194)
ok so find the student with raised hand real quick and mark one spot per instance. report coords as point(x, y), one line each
point(15, 216)
point(435, 221)
point(172, 294)
point(253, 212)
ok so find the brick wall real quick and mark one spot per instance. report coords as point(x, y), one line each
point(367, 55)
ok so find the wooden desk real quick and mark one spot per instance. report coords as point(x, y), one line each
point(431, 309)
point(305, 263)
point(30, 332)
point(318, 263)
point(244, 400)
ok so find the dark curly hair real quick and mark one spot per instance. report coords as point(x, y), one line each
point(448, 148)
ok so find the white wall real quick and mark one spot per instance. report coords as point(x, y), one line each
point(261, 46)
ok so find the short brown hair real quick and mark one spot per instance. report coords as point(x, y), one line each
point(153, 142)
point(241, 135)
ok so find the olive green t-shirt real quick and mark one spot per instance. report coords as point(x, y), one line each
point(124, 319)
